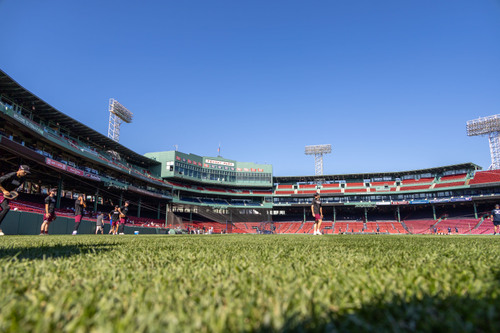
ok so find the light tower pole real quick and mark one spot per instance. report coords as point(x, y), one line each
point(318, 151)
point(117, 114)
point(488, 126)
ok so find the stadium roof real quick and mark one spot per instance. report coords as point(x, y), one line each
point(394, 174)
point(23, 97)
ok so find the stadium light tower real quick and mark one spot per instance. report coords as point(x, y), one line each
point(488, 126)
point(117, 114)
point(318, 151)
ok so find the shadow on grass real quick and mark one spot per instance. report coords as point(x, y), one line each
point(456, 313)
point(54, 251)
point(428, 314)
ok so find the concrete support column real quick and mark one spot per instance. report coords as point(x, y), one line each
point(139, 207)
point(96, 198)
point(166, 214)
point(59, 192)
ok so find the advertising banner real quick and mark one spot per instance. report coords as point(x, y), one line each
point(419, 202)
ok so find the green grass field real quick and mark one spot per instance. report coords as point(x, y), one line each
point(233, 283)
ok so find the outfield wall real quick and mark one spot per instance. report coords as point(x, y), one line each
point(23, 223)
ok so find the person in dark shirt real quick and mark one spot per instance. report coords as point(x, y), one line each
point(495, 214)
point(79, 206)
point(50, 214)
point(317, 212)
point(11, 182)
point(123, 217)
point(114, 216)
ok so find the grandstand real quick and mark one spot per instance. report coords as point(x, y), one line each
point(172, 189)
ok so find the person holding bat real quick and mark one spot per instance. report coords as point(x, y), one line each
point(79, 206)
point(10, 183)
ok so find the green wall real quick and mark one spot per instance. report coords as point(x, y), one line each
point(23, 223)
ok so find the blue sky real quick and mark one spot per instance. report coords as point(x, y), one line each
point(390, 84)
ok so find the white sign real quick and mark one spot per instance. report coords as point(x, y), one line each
point(219, 162)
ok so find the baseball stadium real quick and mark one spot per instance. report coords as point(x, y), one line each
point(172, 191)
point(232, 234)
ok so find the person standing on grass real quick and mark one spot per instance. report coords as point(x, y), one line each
point(317, 212)
point(123, 216)
point(11, 182)
point(79, 206)
point(100, 217)
point(50, 214)
point(495, 214)
point(114, 217)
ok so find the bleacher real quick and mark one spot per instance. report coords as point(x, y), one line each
point(484, 177)
point(355, 190)
point(312, 192)
point(417, 181)
point(415, 188)
point(331, 191)
point(451, 184)
point(462, 176)
point(308, 186)
point(335, 185)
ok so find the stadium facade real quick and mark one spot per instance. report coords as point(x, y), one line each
point(173, 189)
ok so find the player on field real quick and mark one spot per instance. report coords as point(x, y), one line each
point(495, 214)
point(123, 216)
point(99, 223)
point(317, 212)
point(79, 206)
point(114, 216)
point(11, 182)
point(50, 214)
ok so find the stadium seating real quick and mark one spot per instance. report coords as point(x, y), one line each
point(331, 191)
point(464, 226)
point(355, 184)
point(330, 185)
point(415, 181)
point(486, 228)
point(307, 192)
point(453, 177)
point(284, 187)
point(452, 184)
point(310, 186)
point(483, 177)
point(284, 192)
point(355, 190)
point(414, 188)
point(420, 226)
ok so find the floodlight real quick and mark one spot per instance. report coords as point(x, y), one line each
point(318, 151)
point(488, 126)
point(117, 114)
